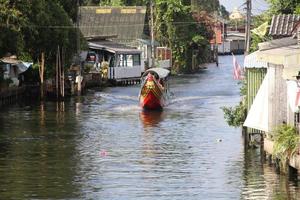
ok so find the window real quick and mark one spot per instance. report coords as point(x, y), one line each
point(122, 60)
point(136, 60)
point(129, 60)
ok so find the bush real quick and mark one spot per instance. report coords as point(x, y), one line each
point(286, 141)
point(235, 116)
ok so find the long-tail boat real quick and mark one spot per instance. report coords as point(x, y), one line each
point(154, 89)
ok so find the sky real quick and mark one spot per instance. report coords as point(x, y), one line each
point(258, 6)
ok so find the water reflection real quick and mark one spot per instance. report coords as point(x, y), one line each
point(37, 154)
point(262, 182)
point(151, 118)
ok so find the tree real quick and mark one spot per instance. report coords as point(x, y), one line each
point(223, 12)
point(284, 6)
point(176, 28)
point(32, 27)
point(11, 21)
point(206, 5)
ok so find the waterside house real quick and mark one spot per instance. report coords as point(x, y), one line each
point(12, 71)
point(275, 102)
point(112, 34)
point(14, 76)
point(234, 42)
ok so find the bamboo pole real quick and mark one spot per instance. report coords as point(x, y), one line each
point(59, 72)
point(56, 69)
point(41, 72)
point(63, 72)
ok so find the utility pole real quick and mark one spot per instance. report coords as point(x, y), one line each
point(152, 35)
point(248, 26)
point(216, 23)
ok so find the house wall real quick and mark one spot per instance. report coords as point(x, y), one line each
point(224, 48)
point(124, 72)
point(237, 46)
point(277, 96)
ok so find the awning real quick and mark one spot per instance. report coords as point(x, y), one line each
point(12, 60)
point(113, 47)
point(251, 61)
point(257, 117)
point(161, 72)
point(23, 66)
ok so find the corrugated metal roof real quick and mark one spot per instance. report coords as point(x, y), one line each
point(251, 61)
point(113, 47)
point(125, 22)
point(283, 25)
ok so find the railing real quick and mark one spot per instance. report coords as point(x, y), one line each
point(11, 95)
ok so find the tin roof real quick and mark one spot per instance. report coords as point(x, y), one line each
point(283, 25)
point(127, 23)
point(113, 47)
point(251, 61)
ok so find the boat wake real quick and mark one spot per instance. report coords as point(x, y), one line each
point(184, 99)
point(117, 97)
point(126, 108)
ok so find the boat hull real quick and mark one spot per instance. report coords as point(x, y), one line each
point(152, 95)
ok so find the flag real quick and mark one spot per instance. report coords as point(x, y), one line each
point(237, 71)
point(297, 97)
point(261, 30)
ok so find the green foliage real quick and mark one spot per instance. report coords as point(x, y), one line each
point(223, 12)
point(32, 27)
point(11, 21)
point(120, 2)
point(297, 10)
point(177, 28)
point(283, 6)
point(235, 116)
point(207, 5)
point(255, 39)
point(286, 141)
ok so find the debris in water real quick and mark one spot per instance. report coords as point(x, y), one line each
point(103, 153)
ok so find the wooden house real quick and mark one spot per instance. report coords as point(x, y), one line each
point(12, 69)
point(281, 29)
point(124, 63)
point(276, 101)
point(233, 43)
point(112, 34)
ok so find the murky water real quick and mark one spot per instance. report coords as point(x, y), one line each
point(102, 146)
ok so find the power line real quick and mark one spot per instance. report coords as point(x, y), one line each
point(93, 26)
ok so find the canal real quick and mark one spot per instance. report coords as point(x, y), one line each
point(102, 146)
